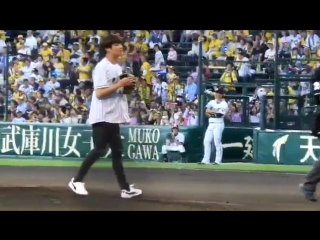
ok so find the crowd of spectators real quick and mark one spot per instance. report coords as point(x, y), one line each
point(49, 72)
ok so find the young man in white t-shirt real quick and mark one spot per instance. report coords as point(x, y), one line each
point(109, 108)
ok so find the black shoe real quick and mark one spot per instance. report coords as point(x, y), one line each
point(309, 195)
point(201, 163)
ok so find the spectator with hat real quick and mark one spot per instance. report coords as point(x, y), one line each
point(45, 52)
point(18, 117)
point(19, 42)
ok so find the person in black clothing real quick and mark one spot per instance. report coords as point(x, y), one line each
point(308, 188)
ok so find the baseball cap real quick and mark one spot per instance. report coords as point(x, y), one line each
point(219, 90)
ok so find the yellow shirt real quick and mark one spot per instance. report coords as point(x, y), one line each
point(143, 34)
point(18, 45)
point(215, 46)
point(3, 37)
point(268, 35)
point(45, 53)
point(85, 33)
point(16, 96)
point(146, 67)
point(230, 36)
point(143, 47)
point(171, 92)
point(170, 77)
point(59, 66)
point(205, 45)
point(242, 32)
point(209, 33)
point(229, 77)
point(84, 73)
point(64, 55)
point(102, 33)
point(144, 93)
point(291, 93)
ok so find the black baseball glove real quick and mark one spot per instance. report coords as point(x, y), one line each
point(218, 115)
point(128, 89)
point(169, 136)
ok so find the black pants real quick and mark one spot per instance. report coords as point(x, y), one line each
point(313, 177)
point(105, 134)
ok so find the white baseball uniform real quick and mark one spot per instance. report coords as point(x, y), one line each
point(214, 131)
point(173, 146)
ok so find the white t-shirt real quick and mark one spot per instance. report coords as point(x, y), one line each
point(31, 42)
point(160, 88)
point(218, 107)
point(25, 51)
point(53, 85)
point(113, 108)
point(254, 119)
point(179, 138)
point(27, 71)
point(18, 120)
point(270, 54)
point(2, 44)
point(158, 58)
point(295, 40)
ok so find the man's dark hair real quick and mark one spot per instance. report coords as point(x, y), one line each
point(108, 41)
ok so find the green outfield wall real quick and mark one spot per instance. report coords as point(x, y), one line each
point(285, 147)
point(139, 143)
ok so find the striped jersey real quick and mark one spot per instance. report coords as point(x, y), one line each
point(113, 108)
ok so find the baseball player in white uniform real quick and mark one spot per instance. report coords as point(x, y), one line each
point(215, 110)
point(174, 142)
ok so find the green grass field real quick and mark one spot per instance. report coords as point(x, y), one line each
point(192, 166)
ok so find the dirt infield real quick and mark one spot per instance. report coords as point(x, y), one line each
point(39, 188)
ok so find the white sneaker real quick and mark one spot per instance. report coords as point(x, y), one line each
point(78, 187)
point(132, 193)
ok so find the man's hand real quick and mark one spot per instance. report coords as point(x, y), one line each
point(208, 115)
point(209, 111)
point(127, 81)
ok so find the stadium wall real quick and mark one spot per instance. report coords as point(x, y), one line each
point(287, 147)
point(141, 143)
